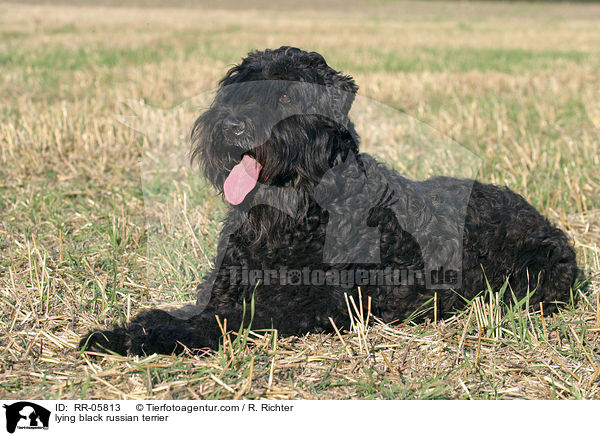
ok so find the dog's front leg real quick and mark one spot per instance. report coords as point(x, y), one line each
point(156, 331)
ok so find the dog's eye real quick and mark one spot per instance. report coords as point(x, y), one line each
point(284, 98)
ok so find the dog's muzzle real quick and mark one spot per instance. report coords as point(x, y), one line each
point(233, 127)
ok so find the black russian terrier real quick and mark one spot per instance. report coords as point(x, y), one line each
point(313, 219)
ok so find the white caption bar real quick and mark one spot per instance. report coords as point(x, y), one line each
point(88, 418)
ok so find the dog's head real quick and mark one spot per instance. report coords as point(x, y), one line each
point(280, 118)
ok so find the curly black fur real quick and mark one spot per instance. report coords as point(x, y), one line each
point(299, 134)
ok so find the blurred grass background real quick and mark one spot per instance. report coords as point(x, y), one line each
point(515, 83)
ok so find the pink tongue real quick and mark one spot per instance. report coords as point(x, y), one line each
point(241, 180)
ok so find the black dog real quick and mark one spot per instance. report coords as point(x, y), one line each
point(314, 219)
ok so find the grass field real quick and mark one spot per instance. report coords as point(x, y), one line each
point(517, 84)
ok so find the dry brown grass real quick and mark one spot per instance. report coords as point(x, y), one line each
point(516, 84)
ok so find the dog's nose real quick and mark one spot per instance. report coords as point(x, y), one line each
point(234, 125)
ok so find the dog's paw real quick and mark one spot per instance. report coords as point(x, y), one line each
point(116, 341)
point(155, 331)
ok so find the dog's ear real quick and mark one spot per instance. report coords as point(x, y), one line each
point(240, 72)
point(348, 89)
point(236, 74)
point(334, 78)
point(342, 89)
point(345, 83)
